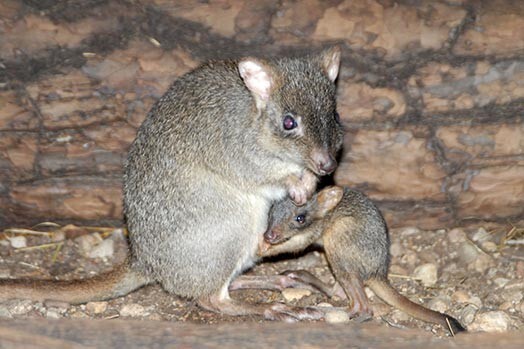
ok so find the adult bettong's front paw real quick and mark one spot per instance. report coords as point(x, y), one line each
point(301, 189)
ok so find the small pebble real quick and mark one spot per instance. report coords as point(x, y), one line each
point(96, 307)
point(501, 282)
point(20, 306)
point(295, 294)
point(398, 270)
point(104, 249)
point(155, 317)
point(465, 298)
point(427, 274)
point(4, 312)
point(52, 314)
point(467, 253)
point(58, 236)
point(492, 321)
point(132, 310)
point(468, 314)
point(410, 258)
point(460, 296)
point(482, 263)
point(514, 296)
point(456, 235)
point(61, 306)
point(481, 235)
point(79, 315)
point(325, 305)
point(476, 301)
point(396, 249)
point(409, 231)
point(489, 246)
point(398, 316)
point(337, 317)
point(440, 304)
point(310, 260)
point(18, 241)
point(87, 242)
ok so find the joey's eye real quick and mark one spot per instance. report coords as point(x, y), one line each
point(300, 219)
point(337, 117)
point(289, 122)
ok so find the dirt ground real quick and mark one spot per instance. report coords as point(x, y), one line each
point(479, 280)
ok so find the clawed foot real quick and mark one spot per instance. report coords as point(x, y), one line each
point(359, 309)
point(283, 312)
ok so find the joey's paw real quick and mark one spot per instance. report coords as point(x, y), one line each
point(283, 312)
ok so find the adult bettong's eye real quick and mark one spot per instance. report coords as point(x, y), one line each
point(300, 219)
point(289, 122)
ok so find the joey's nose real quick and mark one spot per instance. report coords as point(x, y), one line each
point(270, 236)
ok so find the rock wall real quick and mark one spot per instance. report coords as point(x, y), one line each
point(431, 94)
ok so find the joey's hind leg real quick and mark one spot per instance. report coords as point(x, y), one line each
point(354, 288)
point(223, 304)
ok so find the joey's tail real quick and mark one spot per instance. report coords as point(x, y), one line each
point(118, 282)
point(386, 292)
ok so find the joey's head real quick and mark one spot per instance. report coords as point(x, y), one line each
point(287, 220)
point(296, 97)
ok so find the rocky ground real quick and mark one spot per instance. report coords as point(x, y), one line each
point(474, 274)
point(430, 92)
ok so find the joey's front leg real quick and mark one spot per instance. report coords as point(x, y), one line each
point(301, 188)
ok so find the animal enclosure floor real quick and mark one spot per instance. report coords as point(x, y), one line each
point(474, 274)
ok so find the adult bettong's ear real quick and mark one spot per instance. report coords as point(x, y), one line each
point(257, 76)
point(330, 59)
point(328, 199)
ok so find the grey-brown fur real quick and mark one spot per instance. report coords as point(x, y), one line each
point(206, 166)
point(366, 244)
point(356, 242)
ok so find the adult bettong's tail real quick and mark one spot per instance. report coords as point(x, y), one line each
point(117, 282)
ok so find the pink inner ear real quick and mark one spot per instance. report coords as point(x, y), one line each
point(256, 78)
point(332, 63)
point(333, 72)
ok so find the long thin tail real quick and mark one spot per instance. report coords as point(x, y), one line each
point(118, 282)
point(386, 292)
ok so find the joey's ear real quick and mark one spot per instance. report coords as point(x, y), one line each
point(330, 59)
point(328, 199)
point(257, 77)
